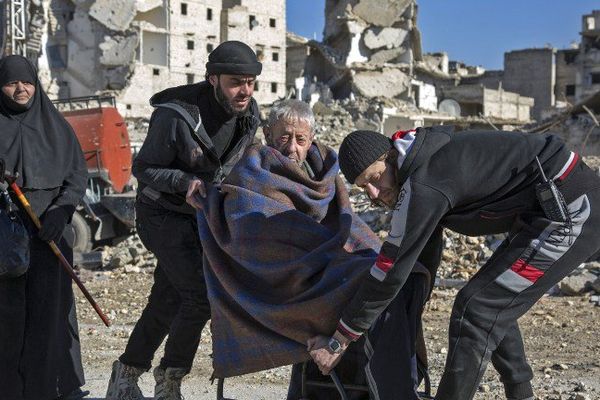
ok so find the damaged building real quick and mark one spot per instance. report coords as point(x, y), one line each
point(359, 35)
point(372, 50)
point(134, 48)
point(555, 79)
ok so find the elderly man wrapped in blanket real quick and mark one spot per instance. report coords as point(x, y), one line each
point(285, 253)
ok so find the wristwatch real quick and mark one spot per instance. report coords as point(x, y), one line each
point(335, 346)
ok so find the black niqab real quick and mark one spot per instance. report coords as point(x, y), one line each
point(35, 139)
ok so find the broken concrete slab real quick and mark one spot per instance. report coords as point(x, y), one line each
point(386, 56)
point(389, 38)
point(381, 13)
point(116, 15)
point(575, 285)
point(118, 50)
point(388, 82)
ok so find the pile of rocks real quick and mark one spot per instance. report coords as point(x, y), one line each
point(130, 255)
point(593, 162)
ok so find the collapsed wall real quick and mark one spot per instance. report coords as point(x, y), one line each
point(90, 44)
point(368, 48)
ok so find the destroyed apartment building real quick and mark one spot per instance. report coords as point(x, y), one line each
point(371, 53)
point(564, 85)
point(555, 79)
point(134, 48)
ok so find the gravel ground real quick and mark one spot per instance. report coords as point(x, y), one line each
point(561, 337)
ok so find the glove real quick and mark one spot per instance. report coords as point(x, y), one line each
point(54, 223)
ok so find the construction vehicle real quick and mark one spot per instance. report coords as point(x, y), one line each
point(107, 212)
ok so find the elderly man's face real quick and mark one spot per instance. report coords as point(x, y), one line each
point(292, 138)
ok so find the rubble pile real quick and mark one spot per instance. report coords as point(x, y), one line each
point(333, 123)
point(593, 162)
point(368, 48)
point(129, 255)
point(336, 118)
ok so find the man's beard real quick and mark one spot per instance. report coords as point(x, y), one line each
point(226, 103)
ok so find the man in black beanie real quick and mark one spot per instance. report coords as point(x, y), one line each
point(475, 183)
point(196, 135)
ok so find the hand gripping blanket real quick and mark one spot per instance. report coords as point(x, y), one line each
point(283, 255)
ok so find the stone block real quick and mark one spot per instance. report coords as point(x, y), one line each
point(389, 38)
point(575, 285)
point(114, 14)
point(118, 50)
point(385, 83)
point(384, 56)
point(381, 12)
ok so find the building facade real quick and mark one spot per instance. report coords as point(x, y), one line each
point(149, 45)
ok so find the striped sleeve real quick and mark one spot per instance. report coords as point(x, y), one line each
point(415, 217)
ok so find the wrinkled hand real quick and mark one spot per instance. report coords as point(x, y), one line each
point(53, 224)
point(195, 188)
point(325, 359)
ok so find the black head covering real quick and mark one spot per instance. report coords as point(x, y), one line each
point(359, 150)
point(35, 140)
point(233, 58)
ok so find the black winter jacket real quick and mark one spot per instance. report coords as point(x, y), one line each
point(176, 150)
point(474, 183)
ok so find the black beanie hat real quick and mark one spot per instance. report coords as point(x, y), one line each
point(233, 58)
point(359, 150)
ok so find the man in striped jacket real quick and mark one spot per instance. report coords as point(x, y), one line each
point(474, 183)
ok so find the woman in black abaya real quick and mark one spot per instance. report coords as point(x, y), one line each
point(40, 356)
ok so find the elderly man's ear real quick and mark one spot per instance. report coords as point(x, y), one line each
point(268, 136)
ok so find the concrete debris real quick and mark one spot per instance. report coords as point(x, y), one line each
point(387, 37)
point(389, 82)
point(386, 56)
point(578, 125)
point(365, 34)
point(118, 50)
point(577, 284)
point(382, 13)
point(116, 15)
point(129, 255)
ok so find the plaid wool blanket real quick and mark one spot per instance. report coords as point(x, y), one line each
point(283, 255)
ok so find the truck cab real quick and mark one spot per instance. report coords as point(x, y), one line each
point(107, 212)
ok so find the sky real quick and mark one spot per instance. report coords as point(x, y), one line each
point(477, 32)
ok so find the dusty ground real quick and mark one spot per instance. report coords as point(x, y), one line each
point(561, 335)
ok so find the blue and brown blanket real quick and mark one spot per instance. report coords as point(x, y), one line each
point(283, 255)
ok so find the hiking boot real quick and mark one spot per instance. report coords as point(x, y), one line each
point(123, 384)
point(168, 383)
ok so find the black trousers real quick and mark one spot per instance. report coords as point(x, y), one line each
point(483, 326)
point(40, 356)
point(178, 305)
